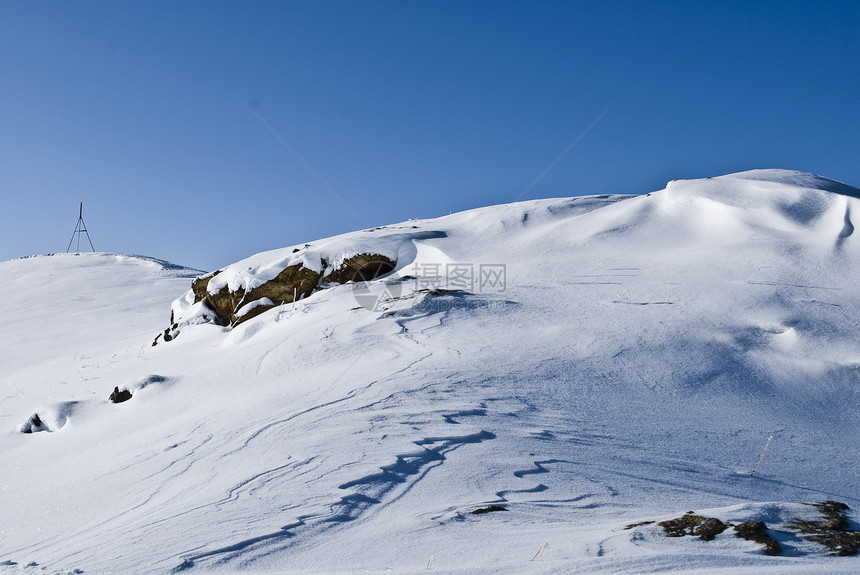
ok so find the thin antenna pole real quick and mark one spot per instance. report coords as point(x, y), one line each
point(80, 221)
point(760, 457)
point(80, 228)
point(72, 239)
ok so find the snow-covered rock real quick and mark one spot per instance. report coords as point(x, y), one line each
point(290, 274)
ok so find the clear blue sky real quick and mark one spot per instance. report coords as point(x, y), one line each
point(176, 122)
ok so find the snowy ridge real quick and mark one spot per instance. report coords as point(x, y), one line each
point(165, 265)
point(610, 361)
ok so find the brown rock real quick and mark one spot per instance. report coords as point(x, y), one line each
point(295, 280)
point(361, 267)
point(200, 286)
point(119, 396)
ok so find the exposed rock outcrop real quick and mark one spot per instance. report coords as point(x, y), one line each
point(226, 303)
point(200, 286)
point(706, 528)
point(293, 283)
point(756, 531)
point(267, 280)
point(33, 424)
point(833, 531)
point(120, 396)
point(359, 268)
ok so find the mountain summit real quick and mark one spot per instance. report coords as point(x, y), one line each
point(546, 386)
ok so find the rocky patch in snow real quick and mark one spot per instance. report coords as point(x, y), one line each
point(118, 396)
point(832, 529)
point(232, 302)
point(248, 288)
point(756, 531)
point(705, 528)
point(55, 416)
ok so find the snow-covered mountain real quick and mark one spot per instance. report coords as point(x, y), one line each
point(570, 366)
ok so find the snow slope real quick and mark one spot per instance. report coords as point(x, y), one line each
point(615, 360)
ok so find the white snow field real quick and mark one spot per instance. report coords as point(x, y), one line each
point(610, 360)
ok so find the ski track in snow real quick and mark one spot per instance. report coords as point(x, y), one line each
point(383, 488)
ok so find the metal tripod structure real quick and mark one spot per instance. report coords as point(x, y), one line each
point(80, 228)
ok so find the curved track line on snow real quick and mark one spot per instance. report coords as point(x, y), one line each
point(368, 491)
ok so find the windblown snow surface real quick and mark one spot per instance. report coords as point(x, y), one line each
point(585, 363)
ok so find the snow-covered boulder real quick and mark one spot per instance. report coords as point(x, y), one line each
point(235, 305)
point(246, 289)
